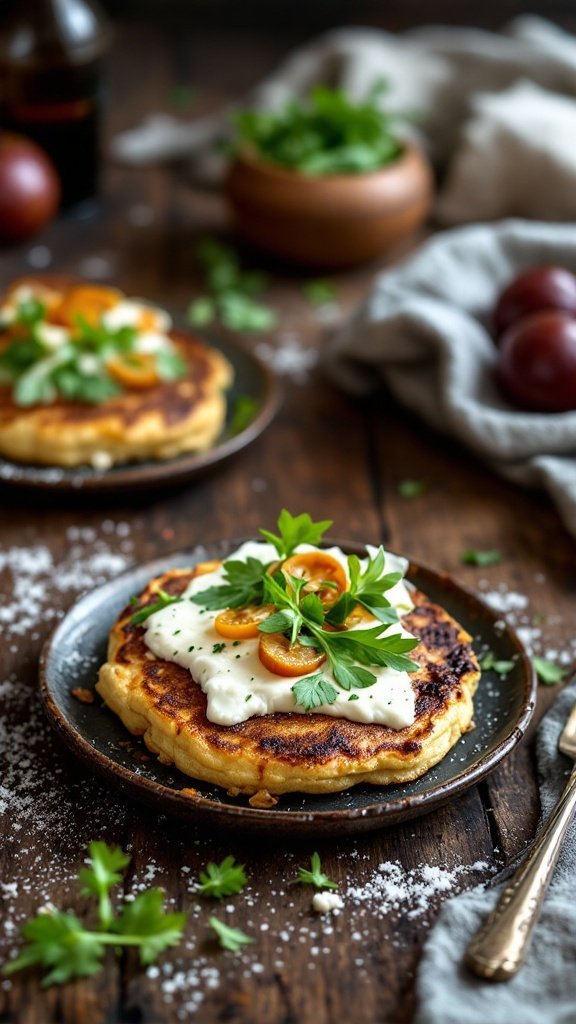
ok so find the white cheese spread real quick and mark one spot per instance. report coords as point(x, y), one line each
point(236, 683)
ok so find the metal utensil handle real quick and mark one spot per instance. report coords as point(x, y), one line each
point(500, 946)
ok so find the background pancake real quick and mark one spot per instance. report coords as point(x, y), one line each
point(291, 752)
point(168, 419)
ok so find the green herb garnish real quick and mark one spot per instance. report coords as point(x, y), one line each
point(225, 879)
point(233, 292)
point(326, 133)
point(295, 530)
point(319, 291)
point(368, 589)
point(547, 672)
point(162, 601)
point(315, 876)
point(347, 652)
point(244, 411)
point(229, 938)
point(75, 369)
point(500, 666)
point(58, 941)
point(314, 691)
point(471, 556)
point(412, 488)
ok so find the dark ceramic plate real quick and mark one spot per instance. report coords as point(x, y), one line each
point(72, 655)
point(252, 379)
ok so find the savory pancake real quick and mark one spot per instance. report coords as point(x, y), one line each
point(160, 391)
point(170, 418)
point(288, 752)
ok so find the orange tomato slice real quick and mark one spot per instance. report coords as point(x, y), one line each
point(317, 568)
point(136, 370)
point(360, 617)
point(90, 301)
point(203, 568)
point(242, 623)
point(282, 658)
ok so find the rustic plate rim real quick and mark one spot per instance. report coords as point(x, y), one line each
point(178, 469)
point(203, 808)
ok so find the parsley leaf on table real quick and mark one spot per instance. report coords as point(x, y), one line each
point(547, 672)
point(315, 876)
point(145, 924)
point(162, 601)
point(106, 863)
point(59, 941)
point(471, 556)
point(233, 292)
point(319, 291)
point(230, 938)
point(224, 879)
point(411, 488)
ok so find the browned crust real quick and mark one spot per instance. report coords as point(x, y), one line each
point(448, 667)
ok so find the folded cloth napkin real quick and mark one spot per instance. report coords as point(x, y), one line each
point(425, 332)
point(544, 990)
point(458, 81)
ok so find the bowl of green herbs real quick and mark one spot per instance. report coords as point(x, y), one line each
point(327, 181)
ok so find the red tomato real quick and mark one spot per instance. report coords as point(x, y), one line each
point(29, 188)
point(537, 364)
point(533, 291)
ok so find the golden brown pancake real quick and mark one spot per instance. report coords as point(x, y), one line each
point(292, 752)
point(159, 422)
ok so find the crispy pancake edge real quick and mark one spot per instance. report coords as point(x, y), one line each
point(281, 753)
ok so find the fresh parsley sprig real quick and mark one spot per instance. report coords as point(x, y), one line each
point(59, 942)
point(347, 652)
point(314, 875)
point(163, 600)
point(368, 589)
point(244, 581)
point(295, 530)
point(233, 292)
point(244, 585)
point(224, 879)
point(229, 938)
point(327, 132)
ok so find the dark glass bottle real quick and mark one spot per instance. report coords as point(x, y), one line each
point(50, 78)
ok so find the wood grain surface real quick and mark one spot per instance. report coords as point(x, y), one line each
point(327, 454)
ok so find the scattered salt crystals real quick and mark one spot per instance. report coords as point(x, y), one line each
point(39, 257)
point(289, 357)
point(328, 314)
point(326, 902)
point(391, 887)
point(33, 582)
point(515, 611)
point(505, 600)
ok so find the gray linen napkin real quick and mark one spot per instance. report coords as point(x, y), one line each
point(544, 991)
point(425, 332)
point(498, 108)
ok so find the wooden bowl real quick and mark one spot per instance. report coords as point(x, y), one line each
point(335, 220)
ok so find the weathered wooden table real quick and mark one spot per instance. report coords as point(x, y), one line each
point(333, 457)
